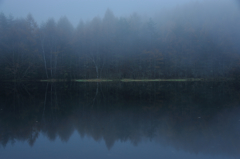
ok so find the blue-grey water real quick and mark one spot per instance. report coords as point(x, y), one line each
point(169, 120)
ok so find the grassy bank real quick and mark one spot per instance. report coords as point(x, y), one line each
point(127, 80)
point(162, 80)
point(138, 80)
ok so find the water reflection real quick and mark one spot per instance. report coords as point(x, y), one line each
point(197, 117)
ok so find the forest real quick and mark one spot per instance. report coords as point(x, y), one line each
point(191, 41)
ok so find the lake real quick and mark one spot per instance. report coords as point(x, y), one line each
point(190, 120)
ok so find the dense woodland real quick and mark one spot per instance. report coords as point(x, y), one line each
point(197, 40)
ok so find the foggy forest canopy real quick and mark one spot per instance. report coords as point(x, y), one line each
point(196, 40)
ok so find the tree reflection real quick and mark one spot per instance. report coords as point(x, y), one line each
point(195, 117)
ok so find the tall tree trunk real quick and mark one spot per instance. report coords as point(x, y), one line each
point(44, 58)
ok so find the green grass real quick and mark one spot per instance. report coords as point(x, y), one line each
point(53, 80)
point(162, 80)
point(131, 80)
point(138, 80)
point(92, 80)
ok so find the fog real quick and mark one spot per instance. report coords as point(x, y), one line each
point(120, 39)
point(127, 42)
point(88, 9)
point(84, 9)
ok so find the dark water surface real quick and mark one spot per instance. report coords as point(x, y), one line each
point(191, 120)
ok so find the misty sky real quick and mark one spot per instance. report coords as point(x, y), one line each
point(84, 9)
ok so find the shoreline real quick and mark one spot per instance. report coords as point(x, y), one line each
point(129, 80)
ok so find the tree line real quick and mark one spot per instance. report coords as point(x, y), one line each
point(177, 44)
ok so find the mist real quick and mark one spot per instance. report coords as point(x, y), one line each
point(84, 9)
point(151, 75)
point(120, 39)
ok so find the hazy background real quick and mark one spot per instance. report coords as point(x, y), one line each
point(119, 39)
point(85, 9)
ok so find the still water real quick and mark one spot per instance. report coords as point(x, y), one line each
point(169, 120)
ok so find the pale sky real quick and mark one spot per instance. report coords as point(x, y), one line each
point(75, 10)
